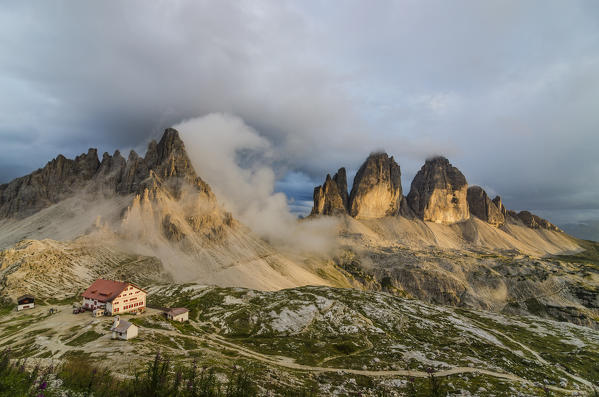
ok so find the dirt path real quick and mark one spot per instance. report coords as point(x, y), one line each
point(64, 320)
point(288, 362)
point(534, 353)
point(369, 347)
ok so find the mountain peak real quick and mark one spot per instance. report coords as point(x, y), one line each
point(437, 159)
point(376, 191)
point(62, 177)
point(331, 197)
point(483, 207)
point(439, 192)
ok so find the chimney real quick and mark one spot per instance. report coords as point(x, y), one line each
point(117, 321)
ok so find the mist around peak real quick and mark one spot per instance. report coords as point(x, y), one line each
point(238, 163)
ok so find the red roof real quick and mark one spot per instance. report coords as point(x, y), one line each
point(104, 290)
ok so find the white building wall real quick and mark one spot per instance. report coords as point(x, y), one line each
point(92, 304)
point(130, 300)
point(182, 317)
point(25, 306)
point(132, 331)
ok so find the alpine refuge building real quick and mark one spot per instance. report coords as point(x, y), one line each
point(115, 297)
point(25, 302)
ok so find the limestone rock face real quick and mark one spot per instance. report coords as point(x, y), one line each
point(499, 204)
point(481, 206)
point(58, 179)
point(377, 188)
point(166, 161)
point(535, 222)
point(331, 197)
point(340, 180)
point(439, 193)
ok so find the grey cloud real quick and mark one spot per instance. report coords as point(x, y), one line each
point(506, 89)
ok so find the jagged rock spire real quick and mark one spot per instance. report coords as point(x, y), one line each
point(331, 197)
point(438, 192)
point(58, 179)
point(482, 207)
point(166, 160)
point(376, 191)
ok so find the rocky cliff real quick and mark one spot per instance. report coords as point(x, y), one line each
point(483, 207)
point(376, 191)
point(439, 193)
point(499, 204)
point(528, 219)
point(58, 179)
point(62, 177)
point(535, 222)
point(331, 197)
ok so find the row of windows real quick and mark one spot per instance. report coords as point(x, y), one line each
point(127, 294)
point(133, 305)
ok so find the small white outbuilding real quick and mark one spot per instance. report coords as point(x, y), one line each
point(25, 302)
point(179, 314)
point(122, 329)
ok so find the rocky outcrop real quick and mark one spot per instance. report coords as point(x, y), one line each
point(376, 191)
point(481, 206)
point(499, 204)
point(60, 178)
point(166, 160)
point(439, 193)
point(527, 218)
point(331, 197)
point(535, 222)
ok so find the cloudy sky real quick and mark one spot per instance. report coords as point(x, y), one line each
point(507, 90)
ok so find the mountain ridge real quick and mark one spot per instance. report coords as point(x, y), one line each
point(157, 206)
point(439, 193)
point(61, 178)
